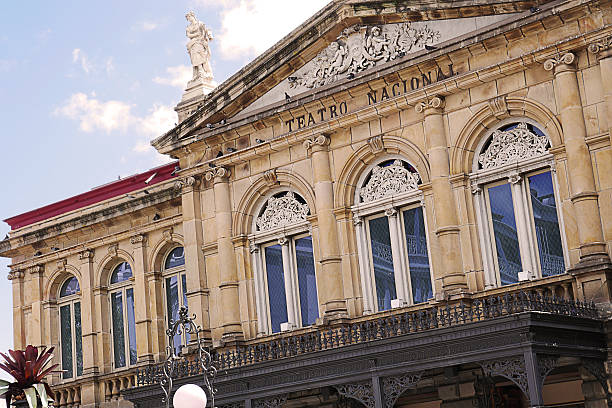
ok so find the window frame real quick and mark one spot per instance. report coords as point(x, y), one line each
point(122, 287)
point(391, 206)
point(515, 174)
point(70, 301)
point(287, 235)
point(179, 271)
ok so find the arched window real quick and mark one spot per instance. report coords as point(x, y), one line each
point(516, 205)
point(122, 315)
point(392, 237)
point(70, 329)
point(283, 260)
point(175, 286)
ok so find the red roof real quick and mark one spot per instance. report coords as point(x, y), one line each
point(96, 195)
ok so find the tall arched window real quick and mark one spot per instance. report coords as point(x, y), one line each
point(516, 205)
point(122, 315)
point(175, 286)
point(70, 329)
point(283, 260)
point(392, 237)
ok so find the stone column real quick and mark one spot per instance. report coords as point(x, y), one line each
point(226, 258)
point(142, 312)
point(364, 270)
point(290, 290)
point(582, 180)
point(195, 268)
point(16, 278)
point(603, 49)
point(88, 329)
point(34, 291)
point(447, 229)
point(330, 281)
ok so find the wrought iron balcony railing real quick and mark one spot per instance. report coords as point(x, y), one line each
point(367, 330)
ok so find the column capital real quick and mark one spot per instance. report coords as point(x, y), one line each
point(218, 175)
point(561, 63)
point(431, 105)
point(357, 220)
point(283, 241)
point(514, 179)
point(391, 212)
point(602, 48)
point(317, 143)
point(253, 248)
point(86, 255)
point(476, 190)
point(16, 274)
point(36, 269)
point(138, 240)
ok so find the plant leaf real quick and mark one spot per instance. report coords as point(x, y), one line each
point(30, 394)
point(4, 383)
point(42, 392)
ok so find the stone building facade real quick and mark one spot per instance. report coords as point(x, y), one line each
point(397, 204)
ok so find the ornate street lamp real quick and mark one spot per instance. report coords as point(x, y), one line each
point(189, 395)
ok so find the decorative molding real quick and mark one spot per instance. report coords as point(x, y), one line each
point(253, 248)
point(218, 174)
point(270, 177)
point(499, 107)
point(137, 239)
point(476, 190)
point(18, 274)
point(112, 249)
point(513, 145)
point(87, 254)
point(391, 212)
point(358, 48)
point(436, 102)
point(60, 264)
point(271, 402)
point(513, 369)
point(566, 59)
point(167, 234)
point(179, 184)
point(282, 241)
point(376, 144)
point(362, 392)
point(601, 45)
point(191, 181)
point(282, 211)
point(514, 178)
point(394, 387)
point(320, 140)
point(357, 220)
point(546, 364)
point(388, 181)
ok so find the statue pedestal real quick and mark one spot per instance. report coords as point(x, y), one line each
point(198, 88)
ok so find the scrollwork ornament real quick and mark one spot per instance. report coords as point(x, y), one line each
point(393, 387)
point(218, 174)
point(320, 140)
point(357, 220)
point(282, 211)
point(391, 212)
point(546, 364)
point(599, 46)
point(272, 402)
point(514, 179)
point(16, 274)
point(137, 239)
point(567, 59)
point(86, 255)
point(436, 102)
point(512, 145)
point(388, 181)
point(512, 369)
point(361, 392)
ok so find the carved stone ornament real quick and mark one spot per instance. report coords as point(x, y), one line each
point(433, 103)
point(137, 239)
point(566, 59)
point(270, 177)
point(601, 45)
point(320, 140)
point(499, 107)
point(512, 369)
point(513, 145)
point(271, 402)
point(38, 269)
point(112, 249)
point(218, 174)
point(60, 264)
point(361, 392)
point(361, 47)
point(394, 387)
point(282, 211)
point(199, 51)
point(376, 144)
point(18, 274)
point(86, 255)
point(388, 181)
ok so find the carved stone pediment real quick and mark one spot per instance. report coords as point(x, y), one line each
point(512, 145)
point(282, 211)
point(388, 181)
point(361, 47)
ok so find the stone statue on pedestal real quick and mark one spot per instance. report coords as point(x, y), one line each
point(197, 47)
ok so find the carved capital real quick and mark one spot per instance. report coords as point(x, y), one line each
point(316, 143)
point(283, 241)
point(39, 269)
point(391, 212)
point(436, 104)
point(476, 190)
point(270, 177)
point(137, 239)
point(218, 175)
point(565, 59)
point(253, 248)
point(357, 220)
point(514, 179)
point(376, 144)
point(16, 274)
point(601, 45)
point(86, 255)
point(179, 184)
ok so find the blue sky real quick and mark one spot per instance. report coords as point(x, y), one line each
point(84, 87)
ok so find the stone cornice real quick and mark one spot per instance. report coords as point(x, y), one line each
point(442, 88)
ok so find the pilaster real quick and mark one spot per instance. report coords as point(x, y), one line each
point(603, 50)
point(330, 281)
point(36, 320)
point(88, 311)
point(230, 303)
point(16, 278)
point(447, 230)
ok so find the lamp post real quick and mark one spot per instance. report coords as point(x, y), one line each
point(189, 395)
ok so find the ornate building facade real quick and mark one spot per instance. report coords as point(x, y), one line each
point(397, 205)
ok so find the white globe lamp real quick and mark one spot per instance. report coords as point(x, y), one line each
point(189, 396)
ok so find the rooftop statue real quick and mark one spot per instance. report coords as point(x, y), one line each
point(197, 47)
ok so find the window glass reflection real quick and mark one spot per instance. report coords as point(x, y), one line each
point(504, 230)
point(418, 259)
point(131, 324)
point(276, 286)
point(175, 258)
point(307, 281)
point(70, 287)
point(172, 305)
point(382, 260)
point(121, 273)
point(66, 339)
point(78, 338)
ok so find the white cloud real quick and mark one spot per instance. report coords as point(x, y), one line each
point(110, 67)
point(145, 26)
point(176, 76)
point(79, 57)
point(249, 27)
